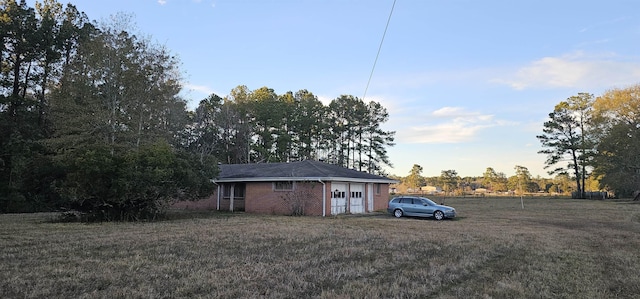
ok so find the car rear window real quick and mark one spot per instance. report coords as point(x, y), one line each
point(405, 200)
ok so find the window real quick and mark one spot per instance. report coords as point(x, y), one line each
point(405, 200)
point(378, 188)
point(283, 186)
point(417, 201)
point(339, 194)
point(356, 194)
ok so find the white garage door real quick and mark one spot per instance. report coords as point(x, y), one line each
point(356, 199)
point(338, 198)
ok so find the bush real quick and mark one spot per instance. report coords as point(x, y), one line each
point(298, 201)
point(137, 185)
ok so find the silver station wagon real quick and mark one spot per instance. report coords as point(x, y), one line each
point(419, 207)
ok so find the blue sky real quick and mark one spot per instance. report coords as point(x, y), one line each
point(468, 84)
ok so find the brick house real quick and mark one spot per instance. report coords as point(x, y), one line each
point(309, 187)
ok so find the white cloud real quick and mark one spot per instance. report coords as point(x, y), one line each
point(448, 125)
point(575, 70)
point(452, 112)
point(162, 2)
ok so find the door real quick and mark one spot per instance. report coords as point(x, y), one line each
point(338, 198)
point(423, 208)
point(356, 198)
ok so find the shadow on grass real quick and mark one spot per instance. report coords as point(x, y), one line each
point(170, 215)
point(432, 219)
point(387, 215)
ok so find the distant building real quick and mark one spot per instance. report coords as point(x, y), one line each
point(431, 189)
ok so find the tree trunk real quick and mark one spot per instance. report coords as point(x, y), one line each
point(576, 169)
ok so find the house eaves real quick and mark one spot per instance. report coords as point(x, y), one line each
point(304, 179)
point(295, 171)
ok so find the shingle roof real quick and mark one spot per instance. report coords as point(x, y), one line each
point(294, 171)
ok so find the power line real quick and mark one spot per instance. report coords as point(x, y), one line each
point(379, 48)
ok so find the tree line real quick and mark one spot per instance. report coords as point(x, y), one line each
point(91, 120)
point(491, 181)
point(597, 139)
point(261, 126)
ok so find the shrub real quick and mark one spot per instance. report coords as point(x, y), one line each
point(297, 201)
point(137, 185)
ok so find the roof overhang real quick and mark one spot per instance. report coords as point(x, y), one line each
point(303, 179)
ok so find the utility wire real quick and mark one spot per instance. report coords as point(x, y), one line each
point(379, 48)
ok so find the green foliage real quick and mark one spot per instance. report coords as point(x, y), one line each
point(84, 132)
point(601, 135)
point(617, 121)
point(415, 179)
point(135, 185)
point(449, 180)
point(522, 182)
point(494, 181)
point(566, 137)
point(262, 126)
point(32, 45)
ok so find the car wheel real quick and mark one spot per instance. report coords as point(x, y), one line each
point(438, 215)
point(397, 213)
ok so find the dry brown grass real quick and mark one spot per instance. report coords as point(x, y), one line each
point(494, 249)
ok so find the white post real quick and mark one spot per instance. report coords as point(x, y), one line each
point(218, 198)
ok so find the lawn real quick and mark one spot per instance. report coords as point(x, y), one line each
point(553, 248)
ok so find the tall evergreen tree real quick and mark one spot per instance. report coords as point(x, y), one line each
point(566, 138)
point(268, 115)
point(449, 180)
point(29, 55)
point(308, 126)
point(376, 139)
point(415, 179)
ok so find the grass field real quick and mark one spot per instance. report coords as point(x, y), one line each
point(495, 249)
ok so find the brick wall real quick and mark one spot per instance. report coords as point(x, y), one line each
point(262, 199)
point(381, 201)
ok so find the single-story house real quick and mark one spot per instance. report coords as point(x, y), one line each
point(304, 187)
point(431, 189)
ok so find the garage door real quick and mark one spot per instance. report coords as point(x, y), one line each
point(356, 198)
point(338, 198)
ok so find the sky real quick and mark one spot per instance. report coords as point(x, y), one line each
point(468, 84)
